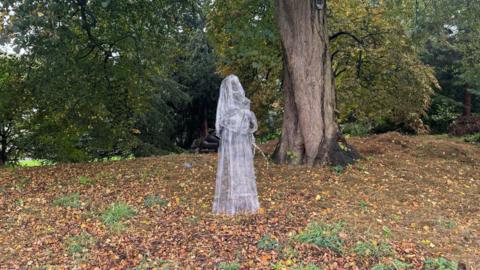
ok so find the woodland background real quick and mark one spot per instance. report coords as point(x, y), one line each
point(84, 80)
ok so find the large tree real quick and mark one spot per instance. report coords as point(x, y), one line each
point(310, 133)
point(380, 81)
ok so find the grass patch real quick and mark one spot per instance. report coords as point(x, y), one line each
point(72, 201)
point(268, 243)
point(306, 267)
point(153, 200)
point(324, 236)
point(440, 264)
point(372, 249)
point(395, 265)
point(147, 264)
point(446, 223)
point(193, 219)
point(78, 246)
point(116, 213)
point(338, 169)
point(387, 232)
point(34, 162)
point(83, 180)
point(46, 267)
point(363, 205)
point(229, 266)
point(472, 138)
point(22, 183)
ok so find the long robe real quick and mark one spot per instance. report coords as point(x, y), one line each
point(236, 191)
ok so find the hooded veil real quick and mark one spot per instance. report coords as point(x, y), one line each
point(235, 189)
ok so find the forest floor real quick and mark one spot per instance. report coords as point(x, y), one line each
point(411, 199)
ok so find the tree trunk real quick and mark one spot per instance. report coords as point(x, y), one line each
point(310, 134)
point(204, 124)
point(3, 151)
point(467, 103)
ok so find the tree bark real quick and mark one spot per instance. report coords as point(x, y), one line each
point(310, 134)
point(467, 103)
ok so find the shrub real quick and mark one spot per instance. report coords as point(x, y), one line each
point(465, 125)
point(442, 113)
point(473, 138)
point(356, 129)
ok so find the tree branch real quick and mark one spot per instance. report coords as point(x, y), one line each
point(341, 33)
point(334, 53)
point(336, 74)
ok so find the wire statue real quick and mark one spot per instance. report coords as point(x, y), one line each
point(235, 190)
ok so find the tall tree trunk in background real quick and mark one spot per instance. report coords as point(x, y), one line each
point(204, 124)
point(3, 150)
point(467, 103)
point(310, 134)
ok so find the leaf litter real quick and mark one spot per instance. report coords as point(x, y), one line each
point(417, 194)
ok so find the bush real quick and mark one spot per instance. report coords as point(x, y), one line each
point(356, 128)
point(263, 138)
point(442, 113)
point(474, 138)
point(465, 125)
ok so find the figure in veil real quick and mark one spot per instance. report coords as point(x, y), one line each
point(235, 190)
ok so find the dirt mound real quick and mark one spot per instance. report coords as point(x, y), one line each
point(465, 125)
point(381, 143)
point(448, 150)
